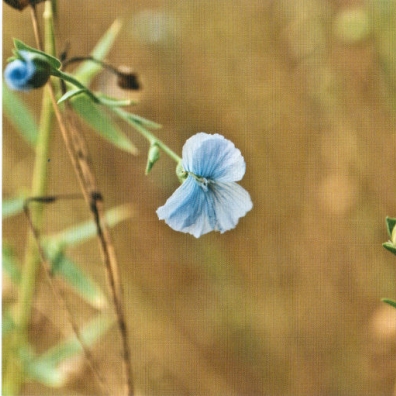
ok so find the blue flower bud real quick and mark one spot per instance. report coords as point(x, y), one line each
point(28, 71)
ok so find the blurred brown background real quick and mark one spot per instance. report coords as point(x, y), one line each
point(288, 303)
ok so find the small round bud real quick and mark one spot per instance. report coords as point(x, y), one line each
point(28, 71)
point(181, 172)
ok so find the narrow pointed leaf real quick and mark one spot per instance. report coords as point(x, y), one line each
point(144, 121)
point(137, 121)
point(390, 224)
point(69, 94)
point(55, 63)
point(390, 246)
point(20, 116)
point(389, 301)
point(88, 70)
point(102, 124)
point(108, 101)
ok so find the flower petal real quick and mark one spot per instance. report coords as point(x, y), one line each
point(231, 201)
point(189, 209)
point(18, 73)
point(213, 157)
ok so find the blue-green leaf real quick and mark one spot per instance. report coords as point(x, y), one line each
point(101, 123)
point(20, 116)
point(88, 70)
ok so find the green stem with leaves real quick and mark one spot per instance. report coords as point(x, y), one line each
point(127, 117)
point(13, 372)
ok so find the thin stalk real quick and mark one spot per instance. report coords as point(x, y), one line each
point(13, 378)
point(79, 155)
point(13, 374)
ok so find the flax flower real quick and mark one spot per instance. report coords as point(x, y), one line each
point(209, 198)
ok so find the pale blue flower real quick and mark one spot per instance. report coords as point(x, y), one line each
point(209, 199)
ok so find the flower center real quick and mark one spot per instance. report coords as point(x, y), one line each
point(202, 181)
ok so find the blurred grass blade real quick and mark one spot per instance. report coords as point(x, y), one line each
point(102, 124)
point(10, 264)
point(109, 101)
point(20, 116)
point(46, 368)
point(80, 282)
point(392, 303)
point(87, 230)
point(13, 206)
point(7, 323)
point(88, 70)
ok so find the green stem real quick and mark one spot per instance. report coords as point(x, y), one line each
point(13, 371)
point(146, 134)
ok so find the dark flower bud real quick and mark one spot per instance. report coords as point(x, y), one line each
point(27, 71)
point(21, 4)
point(126, 79)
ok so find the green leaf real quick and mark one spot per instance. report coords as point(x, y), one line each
point(137, 120)
point(108, 101)
point(88, 70)
point(85, 231)
point(20, 116)
point(390, 246)
point(55, 63)
point(72, 80)
point(12, 206)
point(46, 368)
point(389, 301)
point(71, 93)
point(80, 282)
point(7, 323)
point(10, 264)
point(390, 224)
point(102, 124)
